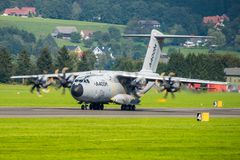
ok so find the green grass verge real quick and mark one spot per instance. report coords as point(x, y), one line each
point(119, 138)
point(18, 95)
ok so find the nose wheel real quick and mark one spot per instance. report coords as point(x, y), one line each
point(125, 107)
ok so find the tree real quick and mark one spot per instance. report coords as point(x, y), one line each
point(64, 59)
point(76, 10)
point(47, 42)
point(177, 64)
point(114, 33)
point(237, 42)
point(127, 64)
point(44, 62)
point(75, 37)
point(24, 65)
point(219, 39)
point(87, 62)
point(5, 65)
point(88, 42)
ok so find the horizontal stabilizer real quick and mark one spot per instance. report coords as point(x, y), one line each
point(165, 36)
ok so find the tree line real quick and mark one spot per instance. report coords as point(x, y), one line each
point(24, 64)
point(198, 66)
point(15, 40)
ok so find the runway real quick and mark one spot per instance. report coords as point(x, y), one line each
point(116, 112)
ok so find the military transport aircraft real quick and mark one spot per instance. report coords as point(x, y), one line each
point(95, 88)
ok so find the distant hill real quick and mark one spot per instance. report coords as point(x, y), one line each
point(41, 27)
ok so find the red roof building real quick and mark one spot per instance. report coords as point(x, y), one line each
point(24, 11)
point(215, 19)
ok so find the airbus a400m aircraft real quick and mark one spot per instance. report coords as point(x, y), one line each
point(95, 88)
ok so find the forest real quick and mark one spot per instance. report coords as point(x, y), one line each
point(22, 53)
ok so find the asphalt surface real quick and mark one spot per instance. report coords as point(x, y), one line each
point(115, 112)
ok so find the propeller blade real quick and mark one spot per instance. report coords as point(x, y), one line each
point(38, 90)
point(33, 87)
point(63, 91)
point(166, 95)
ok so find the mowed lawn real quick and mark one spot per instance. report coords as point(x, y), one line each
point(119, 138)
point(20, 96)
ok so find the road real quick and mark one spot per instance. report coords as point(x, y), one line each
point(115, 112)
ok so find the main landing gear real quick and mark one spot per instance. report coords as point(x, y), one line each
point(125, 107)
point(93, 106)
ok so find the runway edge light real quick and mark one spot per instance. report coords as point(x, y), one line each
point(204, 116)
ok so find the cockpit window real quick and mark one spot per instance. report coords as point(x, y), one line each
point(83, 80)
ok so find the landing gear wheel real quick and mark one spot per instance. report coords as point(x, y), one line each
point(133, 107)
point(91, 107)
point(84, 107)
point(101, 106)
point(128, 107)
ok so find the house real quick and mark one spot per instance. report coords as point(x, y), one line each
point(164, 58)
point(76, 50)
point(232, 75)
point(24, 11)
point(64, 32)
point(189, 44)
point(86, 34)
point(217, 21)
point(149, 24)
point(97, 51)
point(194, 42)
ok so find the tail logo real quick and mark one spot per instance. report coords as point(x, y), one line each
point(153, 54)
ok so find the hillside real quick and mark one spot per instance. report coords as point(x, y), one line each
point(41, 27)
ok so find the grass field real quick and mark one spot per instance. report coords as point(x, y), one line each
point(18, 95)
point(119, 138)
point(41, 27)
point(187, 51)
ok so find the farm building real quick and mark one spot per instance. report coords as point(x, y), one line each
point(64, 32)
point(232, 75)
point(149, 24)
point(86, 34)
point(24, 11)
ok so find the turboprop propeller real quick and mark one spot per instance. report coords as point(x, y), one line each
point(168, 85)
point(65, 81)
point(41, 82)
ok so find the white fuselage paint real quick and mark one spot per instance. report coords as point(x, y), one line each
point(98, 88)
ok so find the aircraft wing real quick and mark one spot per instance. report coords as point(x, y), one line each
point(45, 75)
point(153, 77)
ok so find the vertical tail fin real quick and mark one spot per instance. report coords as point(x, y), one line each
point(153, 53)
point(155, 49)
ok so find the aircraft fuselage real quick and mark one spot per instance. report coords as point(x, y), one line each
point(96, 88)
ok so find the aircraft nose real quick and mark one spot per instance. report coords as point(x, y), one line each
point(77, 90)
